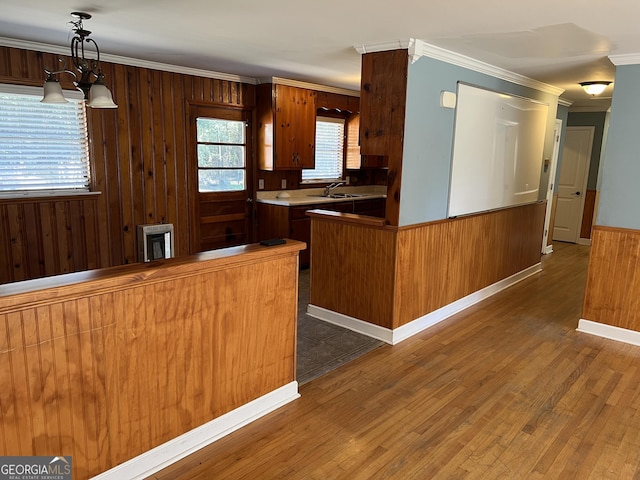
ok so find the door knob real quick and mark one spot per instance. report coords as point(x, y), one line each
point(578, 194)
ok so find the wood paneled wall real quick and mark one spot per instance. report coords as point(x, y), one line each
point(47, 237)
point(612, 294)
point(139, 164)
point(588, 213)
point(441, 262)
point(383, 97)
point(390, 276)
point(352, 269)
point(110, 367)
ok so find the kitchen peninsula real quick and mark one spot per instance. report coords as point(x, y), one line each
point(284, 213)
point(148, 360)
point(391, 282)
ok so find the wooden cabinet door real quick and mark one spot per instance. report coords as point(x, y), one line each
point(295, 128)
point(285, 128)
point(353, 159)
point(306, 128)
point(374, 161)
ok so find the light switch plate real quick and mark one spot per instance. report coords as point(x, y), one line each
point(261, 184)
point(284, 183)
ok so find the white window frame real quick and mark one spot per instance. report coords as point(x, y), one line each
point(308, 175)
point(73, 96)
point(223, 143)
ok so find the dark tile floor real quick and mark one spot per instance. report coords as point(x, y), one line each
point(322, 346)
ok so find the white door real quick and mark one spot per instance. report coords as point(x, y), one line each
point(576, 156)
point(552, 178)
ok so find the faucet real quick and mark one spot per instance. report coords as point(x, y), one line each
point(330, 188)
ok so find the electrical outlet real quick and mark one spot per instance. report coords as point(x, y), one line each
point(261, 184)
point(284, 183)
point(347, 179)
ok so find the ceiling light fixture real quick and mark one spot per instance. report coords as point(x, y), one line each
point(595, 88)
point(96, 92)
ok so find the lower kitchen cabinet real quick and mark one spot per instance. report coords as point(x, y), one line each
point(277, 221)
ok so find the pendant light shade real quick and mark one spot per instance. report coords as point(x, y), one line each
point(100, 95)
point(53, 92)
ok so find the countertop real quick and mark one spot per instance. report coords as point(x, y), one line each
point(313, 196)
point(134, 274)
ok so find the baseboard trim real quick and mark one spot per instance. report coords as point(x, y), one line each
point(548, 249)
point(162, 456)
point(399, 334)
point(584, 241)
point(609, 331)
point(351, 323)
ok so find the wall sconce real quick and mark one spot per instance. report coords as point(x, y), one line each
point(595, 88)
point(96, 92)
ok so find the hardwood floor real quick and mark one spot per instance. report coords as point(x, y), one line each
point(505, 389)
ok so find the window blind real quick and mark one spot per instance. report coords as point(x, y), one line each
point(329, 150)
point(42, 146)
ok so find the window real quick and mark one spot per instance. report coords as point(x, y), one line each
point(329, 151)
point(43, 146)
point(221, 155)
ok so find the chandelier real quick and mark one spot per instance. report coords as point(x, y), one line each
point(90, 79)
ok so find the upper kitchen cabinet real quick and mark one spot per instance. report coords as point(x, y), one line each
point(383, 92)
point(354, 159)
point(286, 127)
point(347, 107)
point(337, 103)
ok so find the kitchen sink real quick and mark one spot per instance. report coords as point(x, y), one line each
point(340, 195)
point(346, 195)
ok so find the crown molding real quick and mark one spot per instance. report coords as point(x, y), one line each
point(384, 46)
point(132, 62)
point(311, 86)
point(625, 59)
point(417, 48)
point(564, 102)
point(165, 67)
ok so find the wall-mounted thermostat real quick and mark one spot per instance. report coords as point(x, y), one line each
point(447, 99)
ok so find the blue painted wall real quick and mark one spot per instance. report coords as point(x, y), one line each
point(597, 120)
point(618, 205)
point(428, 135)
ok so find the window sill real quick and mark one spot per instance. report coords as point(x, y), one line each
point(43, 196)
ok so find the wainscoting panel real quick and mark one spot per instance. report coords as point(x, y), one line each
point(390, 276)
point(588, 213)
point(352, 270)
point(612, 295)
point(441, 262)
point(116, 363)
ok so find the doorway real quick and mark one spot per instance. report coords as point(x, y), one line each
point(221, 180)
point(572, 184)
point(547, 247)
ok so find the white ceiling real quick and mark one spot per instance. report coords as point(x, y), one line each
point(559, 43)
